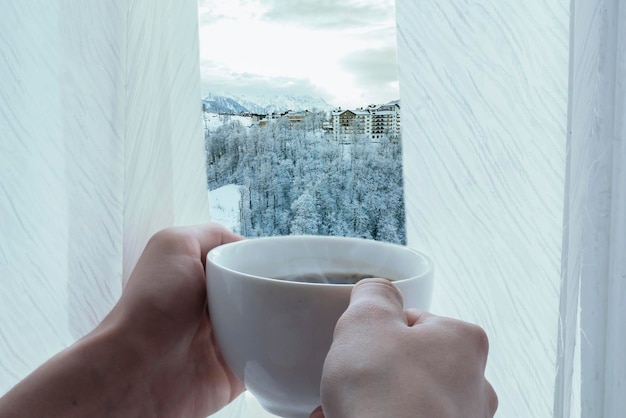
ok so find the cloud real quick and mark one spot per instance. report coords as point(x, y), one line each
point(372, 67)
point(207, 14)
point(249, 83)
point(214, 11)
point(330, 14)
point(343, 52)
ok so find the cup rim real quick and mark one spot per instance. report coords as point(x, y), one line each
point(211, 258)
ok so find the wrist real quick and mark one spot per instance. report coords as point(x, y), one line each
point(100, 375)
point(113, 358)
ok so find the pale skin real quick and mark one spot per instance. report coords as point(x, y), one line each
point(154, 354)
point(390, 362)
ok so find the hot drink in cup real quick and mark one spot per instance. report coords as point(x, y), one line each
point(274, 303)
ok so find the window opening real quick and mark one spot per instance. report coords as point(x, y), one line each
point(302, 118)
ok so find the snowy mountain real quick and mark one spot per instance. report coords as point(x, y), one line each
point(220, 104)
point(281, 103)
point(230, 103)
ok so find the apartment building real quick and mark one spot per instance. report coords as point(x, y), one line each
point(373, 122)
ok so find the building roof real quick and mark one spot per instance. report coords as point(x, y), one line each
point(385, 109)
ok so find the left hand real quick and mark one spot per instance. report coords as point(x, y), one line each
point(154, 355)
point(164, 305)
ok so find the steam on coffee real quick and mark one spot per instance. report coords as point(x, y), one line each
point(330, 278)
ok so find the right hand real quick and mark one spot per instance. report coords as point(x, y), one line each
point(388, 362)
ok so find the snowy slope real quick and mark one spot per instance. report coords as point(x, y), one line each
point(213, 121)
point(224, 206)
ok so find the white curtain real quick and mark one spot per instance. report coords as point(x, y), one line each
point(513, 126)
point(483, 88)
point(591, 360)
point(101, 144)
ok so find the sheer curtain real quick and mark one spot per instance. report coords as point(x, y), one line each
point(101, 145)
point(513, 119)
point(591, 360)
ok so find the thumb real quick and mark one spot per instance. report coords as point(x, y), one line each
point(378, 298)
point(317, 413)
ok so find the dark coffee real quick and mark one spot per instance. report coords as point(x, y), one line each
point(330, 278)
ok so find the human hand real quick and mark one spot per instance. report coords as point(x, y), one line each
point(153, 355)
point(387, 362)
point(164, 305)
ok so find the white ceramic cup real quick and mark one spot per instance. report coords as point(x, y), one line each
point(275, 334)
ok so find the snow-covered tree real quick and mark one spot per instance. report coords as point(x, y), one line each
point(296, 180)
point(305, 217)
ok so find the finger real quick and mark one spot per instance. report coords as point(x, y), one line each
point(196, 240)
point(378, 299)
point(211, 235)
point(375, 308)
point(317, 413)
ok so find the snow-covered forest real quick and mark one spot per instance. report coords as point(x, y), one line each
point(295, 179)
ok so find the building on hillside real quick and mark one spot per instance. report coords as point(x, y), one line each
point(294, 117)
point(297, 117)
point(254, 117)
point(270, 117)
point(374, 122)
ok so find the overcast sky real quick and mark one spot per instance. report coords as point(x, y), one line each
point(342, 51)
